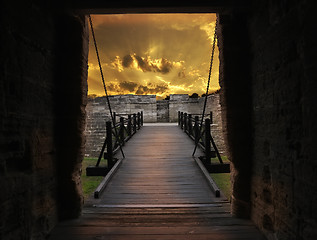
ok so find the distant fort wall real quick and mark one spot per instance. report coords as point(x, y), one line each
point(153, 111)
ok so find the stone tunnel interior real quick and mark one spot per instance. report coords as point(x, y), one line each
point(268, 94)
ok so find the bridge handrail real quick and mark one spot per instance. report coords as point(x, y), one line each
point(200, 133)
point(126, 115)
point(118, 134)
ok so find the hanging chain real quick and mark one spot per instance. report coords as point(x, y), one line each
point(103, 82)
point(207, 90)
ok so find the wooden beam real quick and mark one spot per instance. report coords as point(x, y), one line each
point(107, 178)
point(210, 181)
point(163, 6)
point(96, 171)
point(218, 168)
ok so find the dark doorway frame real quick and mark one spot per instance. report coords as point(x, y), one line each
point(235, 94)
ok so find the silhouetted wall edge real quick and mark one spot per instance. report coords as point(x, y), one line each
point(236, 102)
point(71, 100)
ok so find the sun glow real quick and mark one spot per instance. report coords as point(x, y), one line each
point(158, 54)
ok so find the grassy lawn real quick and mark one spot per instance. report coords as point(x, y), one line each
point(89, 184)
point(222, 179)
point(223, 182)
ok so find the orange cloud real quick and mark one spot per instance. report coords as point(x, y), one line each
point(153, 54)
point(115, 88)
point(145, 64)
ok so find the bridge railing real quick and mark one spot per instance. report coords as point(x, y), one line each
point(201, 134)
point(116, 136)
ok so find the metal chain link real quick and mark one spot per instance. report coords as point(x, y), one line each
point(103, 81)
point(209, 75)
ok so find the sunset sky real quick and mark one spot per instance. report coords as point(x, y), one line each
point(158, 54)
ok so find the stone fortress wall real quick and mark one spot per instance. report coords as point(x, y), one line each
point(153, 111)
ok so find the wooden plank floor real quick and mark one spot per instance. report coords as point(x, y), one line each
point(157, 193)
point(158, 169)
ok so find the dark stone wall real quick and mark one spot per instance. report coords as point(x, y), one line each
point(162, 108)
point(217, 131)
point(42, 60)
point(268, 78)
point(28, 154)
point(70, 101)
point(236, 104)
point(284, 87)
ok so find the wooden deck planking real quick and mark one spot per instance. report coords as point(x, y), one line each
point(157, 193)
point(158, 168)
point(213, 222)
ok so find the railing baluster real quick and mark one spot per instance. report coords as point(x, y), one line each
point(185, 122)
point(112, 143)
point(101, 152)
point(109, 145)
point(129, 126)
point(190, 126)
point(201, 133)
point(121, 131)
point(182, 120)
point(207, 141)
point(196, 129)
point(139, 120)
point(114, 118)
point(134, 123)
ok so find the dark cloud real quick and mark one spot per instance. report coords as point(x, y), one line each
point(112, 87)
point(127, 61)
point(141, 90)
point(130, 86)
point(161, 89)
point(165, 66)
point(151, 89)
point(161, 65)
point(143, 64)
point(181, 74)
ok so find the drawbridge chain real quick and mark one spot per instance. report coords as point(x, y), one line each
point(103, 82)
point(209, 75)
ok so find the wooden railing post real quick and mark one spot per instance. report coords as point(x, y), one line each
point(182, 120)
point(129, 126)
point(138, 120)
point(113, 143)
point(185, 122)
point(211, 120)
point(121, 131)
point(207, 141)
point(179, 118)
point(109, 155)
point(196, 129)
point(190, 126)
point(134, 123)
point(114, 114)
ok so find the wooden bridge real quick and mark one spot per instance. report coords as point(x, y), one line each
point(158, 191)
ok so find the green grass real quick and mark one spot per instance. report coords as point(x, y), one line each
point(89, 184)
point(223, 182)
point(224, 159)
point(222, 179)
